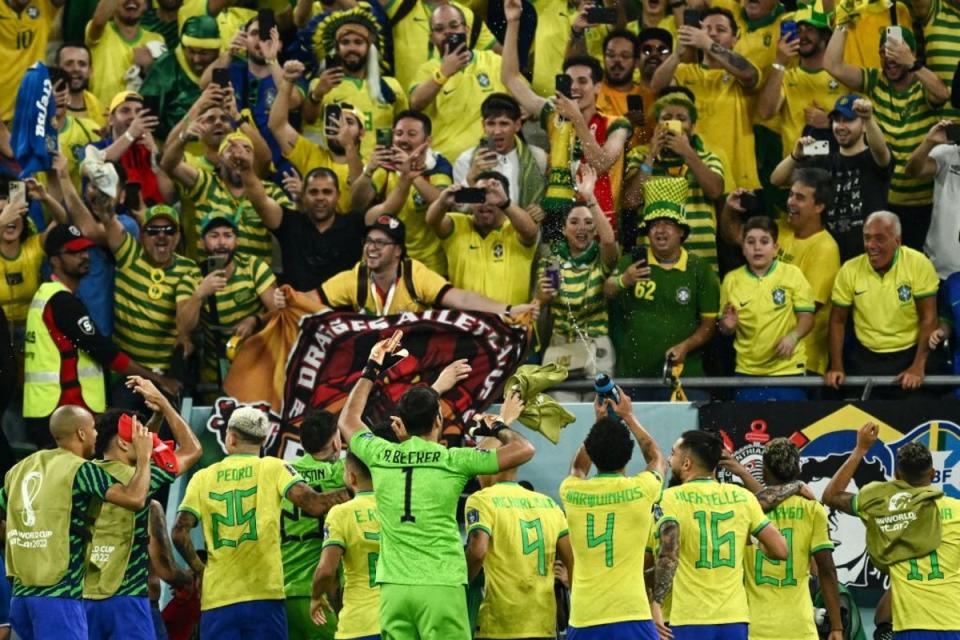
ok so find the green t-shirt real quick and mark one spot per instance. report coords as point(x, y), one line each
point(301, 535)
point(417, 484)
point(91, 483)
point(661, 312)
point(169, 31)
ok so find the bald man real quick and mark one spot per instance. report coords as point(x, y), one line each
point(518, 569)
point(45, 501)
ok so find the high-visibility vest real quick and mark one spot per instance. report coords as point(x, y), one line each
point(42, 388)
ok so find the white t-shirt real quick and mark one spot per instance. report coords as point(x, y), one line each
point(508, 165)
point(943, 238)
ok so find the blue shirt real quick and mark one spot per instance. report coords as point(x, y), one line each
point(96, 288)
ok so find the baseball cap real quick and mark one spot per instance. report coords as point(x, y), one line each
point(391, 226)
point(844, 106)
point(122, 97)
point(218, 219)
point(250, 421)
point(161, 211)
point(655, 33)
point(65, 237)
point(163, 454)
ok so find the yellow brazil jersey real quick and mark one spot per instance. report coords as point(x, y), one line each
point(306, 156)
point(340, 291)
point(778, 590)
point(818, 257)
point(940, 31)
point(110, 57)
point(607, 515)
point(354, 527)
point(554, 19)
point(766, 307)
point(715, 523)
point(885, 316)
point(724, 120)
point(229, 20)
point(524, 527)
point(411, 37)
point(867, 21)
point(926, 590)
point(422, 242)
point(20, 278)
point(93, 110)
point(455, 111)
point(800, 89)
point(496, 265)
point(376, 114)
point(73, 139)
point(237, 501)
point(23, 41)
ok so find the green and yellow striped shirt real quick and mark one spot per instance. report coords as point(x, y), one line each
point(240, 299)
point(580, 304)
point(905, 117)
point(942, 34)
point(211, 195)
point(700, 210)
point(145, 326)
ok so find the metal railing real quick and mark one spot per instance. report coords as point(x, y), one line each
point(733, 382)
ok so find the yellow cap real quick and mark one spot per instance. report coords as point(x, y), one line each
point(122, 97)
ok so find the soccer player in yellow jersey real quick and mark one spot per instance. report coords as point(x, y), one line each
point(514, 535)
point(238, 501)
point(351, 538)
point(926, 590)
point(607, 515)
point(769, 306)
point(779, 591)
point(705, 532)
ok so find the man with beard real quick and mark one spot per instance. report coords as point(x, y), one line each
point(354, 39)
point(800, 93)
point(117, 41)
point(906, 95)
point(65, 353)
point(161, 17)
point(412, 174)
point(222, 190)
point(655, 45)
point(24, 31)
point(315, 242)
point(173, 82)
point(343, 138)
point(74, 59)
point(232, 297)
point(491, 249)
point(450, 89)
point(860, 171)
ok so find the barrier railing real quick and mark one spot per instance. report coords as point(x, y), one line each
point(772, 381)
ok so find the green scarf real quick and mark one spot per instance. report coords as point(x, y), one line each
point(587, 258)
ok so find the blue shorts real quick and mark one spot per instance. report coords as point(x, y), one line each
point(256, 619)
point(732, 631)
point(159, 626)
point(5, 592)
point(120, 617)
point(926, 635)
point(630, 630)
point(38, 618)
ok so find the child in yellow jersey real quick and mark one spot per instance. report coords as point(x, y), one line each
point(769, 306)
point(351, 538)
point(704, 533)
point(607, 514)
point(514, 536)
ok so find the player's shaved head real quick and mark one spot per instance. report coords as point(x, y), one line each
point(67, 420)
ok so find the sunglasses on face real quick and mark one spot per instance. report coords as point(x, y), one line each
point(647, 49)
point(167, 230)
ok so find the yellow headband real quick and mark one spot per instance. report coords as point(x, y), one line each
point(238, 136)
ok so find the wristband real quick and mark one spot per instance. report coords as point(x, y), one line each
point(439, 78)
point(646, 168)
point(794, 336)
point(620, 283)
point(129, 137)
point(504, 205)
point(271, 61)
point(258, 323)
point(370, 374)
point(795, 158)
point(779, 67)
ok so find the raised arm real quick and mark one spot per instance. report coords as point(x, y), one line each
point(731, 223)
point(510, 74)
point(266, 207)
point(133, 495)
point(188, 446)
point(104, 11)
point(873, 134)
point(847, 74)
point(937, 92)
point(161, 551)
point(351, 417)
point(735, 64)
point(581, 463)
point(835, 495)
point(663, 76)
point(437, 216)
point(920, 164)
point(279, 120)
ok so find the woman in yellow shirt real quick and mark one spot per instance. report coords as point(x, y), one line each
point(21, 253)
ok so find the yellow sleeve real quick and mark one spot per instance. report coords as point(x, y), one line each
point(802, 293)
point(820, 536)
point(478, 516)
point(263, 277)
point(287, 476)
point(403, 102)
point(651, 483)
point(127, 252)
point(334, 529)
point(424, 73)
point(191, 497)
point(927, 281)
point(827, 258)
point(90, 41)
point(726, 288)
point(305, 156)
point(188, 284)
point(485, 40)
point(670, 508)
point(757, 519)
point(429, 284)
point(340, 290)
point(687, 72)
point(843, 286)
point(440, 180)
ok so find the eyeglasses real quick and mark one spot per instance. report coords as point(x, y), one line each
point(647, 49)
point(450, 26)
point(618, 56)
point(167, 230)
point(379, 244)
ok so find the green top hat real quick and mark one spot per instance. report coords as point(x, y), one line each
point(665, 198)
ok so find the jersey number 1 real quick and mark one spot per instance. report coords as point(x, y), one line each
point(407, 490)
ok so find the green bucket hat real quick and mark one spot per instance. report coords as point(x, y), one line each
point(665, 198)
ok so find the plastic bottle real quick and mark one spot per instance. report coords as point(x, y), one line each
point(606, 388)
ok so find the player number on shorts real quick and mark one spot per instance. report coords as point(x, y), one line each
point(788, 580)
point(235, 517)
point(606, 538)
point(935, 572)
point(372, 557)
point(526, 526)
point(714, 557)
point(407, 490)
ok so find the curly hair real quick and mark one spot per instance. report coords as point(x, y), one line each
point(914, 462)
point(609, 445)
point(781, 459)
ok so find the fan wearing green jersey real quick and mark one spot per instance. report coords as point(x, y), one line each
point(301, 535)
point(417, 483)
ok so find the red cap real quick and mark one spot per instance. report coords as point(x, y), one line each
point(163, 450)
